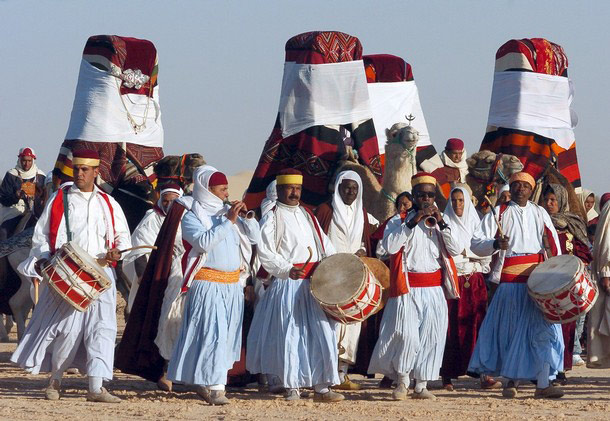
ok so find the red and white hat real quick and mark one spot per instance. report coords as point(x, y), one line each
point(27, 152)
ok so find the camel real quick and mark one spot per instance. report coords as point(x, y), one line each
point(400, 165)
point(487, 172)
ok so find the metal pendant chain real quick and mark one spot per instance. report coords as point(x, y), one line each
point(137, 128)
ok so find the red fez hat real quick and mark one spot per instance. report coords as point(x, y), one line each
point(173, 186)
point(26, 152)
point(218, 179)
point(422, 178)
point(86, 157)
point(454, 144)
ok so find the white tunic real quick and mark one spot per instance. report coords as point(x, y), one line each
point(58, 336)
point(144, 234)
point(414, 325)
point(524, 226)
point(290, 336)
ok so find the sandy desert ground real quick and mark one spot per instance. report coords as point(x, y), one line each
point(21, 398)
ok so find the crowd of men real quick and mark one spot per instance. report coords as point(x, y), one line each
point(439, 321)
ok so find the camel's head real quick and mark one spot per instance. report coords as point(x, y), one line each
point(403, 135)
point(179, 169)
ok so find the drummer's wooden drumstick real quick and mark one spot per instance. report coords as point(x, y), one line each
point(308, 259)
point(493, 211)
point(36, 291)
point(137, 248)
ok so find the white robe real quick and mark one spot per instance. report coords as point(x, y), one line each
point(145, 234)
point(414, 325)
point(59, 336)
point(290, 336)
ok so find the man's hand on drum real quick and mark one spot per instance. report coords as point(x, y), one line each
point(113, 255)
point(605, 284)
point(361, 253)
point(501, 243)
point(296, 273)
point(40, 264)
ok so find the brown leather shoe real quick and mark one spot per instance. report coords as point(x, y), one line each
point(424, 394)
point(488, 382)
point(551, 392)
point(329, 396)
point(104, 396)
point(213, 397)
point(400, 393)
point(51, 393)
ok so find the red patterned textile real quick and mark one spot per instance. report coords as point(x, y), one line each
point(317, 150)
point(125, 53)
point(386, 68)
point(535, 152)
point(113, 161)
point(465, 318)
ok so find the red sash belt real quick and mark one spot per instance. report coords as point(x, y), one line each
point(517, 269)
point(425, 279)
point(309, 268)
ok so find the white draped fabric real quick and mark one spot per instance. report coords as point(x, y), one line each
point(323, 94)
point(100, 113)
point(391, 102)
point(534, 102)
point(347, 224)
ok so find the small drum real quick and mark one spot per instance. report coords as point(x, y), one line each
point(562, 288)
point(76, 276)
point(346, 288)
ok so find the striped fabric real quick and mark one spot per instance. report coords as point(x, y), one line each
point(535, 151)
point(317, 150)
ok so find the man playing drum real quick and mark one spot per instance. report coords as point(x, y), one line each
point(348, 226)
point(414, 323)
point(290, 336)
point(59, 336)
point(515, 341)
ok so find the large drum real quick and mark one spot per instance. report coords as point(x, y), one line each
point(76, 276)
point(562, 288)
point(347, 288)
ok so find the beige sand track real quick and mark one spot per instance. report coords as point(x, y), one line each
point(21, 398)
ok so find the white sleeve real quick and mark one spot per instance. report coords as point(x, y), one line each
point(482, 243)
point(122, 237)
point(454, 245)
point(271, 260)
point(395, 235)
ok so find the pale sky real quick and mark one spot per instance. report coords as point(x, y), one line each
point(221, 64)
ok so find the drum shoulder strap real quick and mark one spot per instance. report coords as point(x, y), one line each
point(66, 206)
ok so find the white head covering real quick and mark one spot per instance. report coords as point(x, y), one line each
point(462, 227)
point(20, 172)
point(462, 166)
point(206, 204)
point(270, 199)
point(591, 213)
point(345, 232)
point(179, 192)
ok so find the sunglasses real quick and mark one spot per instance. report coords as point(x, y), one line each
point(423, 195)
